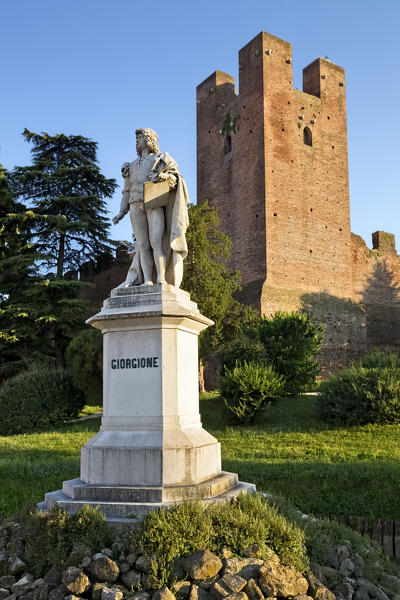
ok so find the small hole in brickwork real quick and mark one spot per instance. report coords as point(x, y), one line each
point(256, 216)
point(228, 144)
point(229, 214)
point(307, 136)
point(209, 131)
point(310, 209)
point(326, 226)
point(275, 214)
point(244, 106)
point(340, 229)
point(251, 131)
point(310, 251)
point(283, 129)
point(288, 101)
point(333, 147)
point(328, 118)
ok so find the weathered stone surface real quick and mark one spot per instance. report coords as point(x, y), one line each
point(198, 593)
point(58, 593)
point(107, 552)
point(277, 580)
point(16, 565)
point(206, 583)
point(71, 597)
point(131, 579)
point(163, 593)
point(302, 597)
point(317, 590)
point(253, 591)
point(228, 584)
point(345, 589)
point(53, 576)
point(78, 553)
point(3, 593)
point(22, 583)
point(182, 588)
point(7, 581)
point(131, 559)
point(143, 563)
point(97, 588)
point(346, 567)
point(202, 565)
point(236, 596)
point(331, 577)
point(111, 593)
point(359, 565)
point(103, 568)
point(252, 551)
point(139, 596)
point(244, 567)
point(361, 594)
point(75, 581)
point(124, 567)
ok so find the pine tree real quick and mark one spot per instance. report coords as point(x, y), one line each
point(65, 225)
point(65, 182)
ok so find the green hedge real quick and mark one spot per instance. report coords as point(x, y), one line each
point(358, 395)
point(37, 400)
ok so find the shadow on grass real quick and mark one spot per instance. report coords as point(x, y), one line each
point(350, 488)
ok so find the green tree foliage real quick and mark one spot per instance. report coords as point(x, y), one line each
point(65, 182)
point(361, 395)
point(249, 388)
point(286, 341)
point(64, 225)
point(84, 358)
point(210, 281)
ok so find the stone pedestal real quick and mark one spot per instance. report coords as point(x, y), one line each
point(151, 449)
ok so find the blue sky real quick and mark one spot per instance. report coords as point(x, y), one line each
point(102, 68)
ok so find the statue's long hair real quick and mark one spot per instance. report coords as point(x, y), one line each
point(151, 139)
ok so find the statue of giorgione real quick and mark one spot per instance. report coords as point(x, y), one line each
point(156, 196)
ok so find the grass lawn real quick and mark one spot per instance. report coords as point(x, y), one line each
point(320, 469)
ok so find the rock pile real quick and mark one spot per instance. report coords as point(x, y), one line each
point(112, 575)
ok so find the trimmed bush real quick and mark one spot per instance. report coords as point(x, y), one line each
point(167, 535)
point(357, 396)
point(249, 388)
point(37, 400)
point(84, 358)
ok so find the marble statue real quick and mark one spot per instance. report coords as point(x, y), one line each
point(159, 232)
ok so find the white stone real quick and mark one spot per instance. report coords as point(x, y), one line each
point(151, 432)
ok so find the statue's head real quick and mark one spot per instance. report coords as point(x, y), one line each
point(150, 139)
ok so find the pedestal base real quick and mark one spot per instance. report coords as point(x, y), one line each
point(125, 506)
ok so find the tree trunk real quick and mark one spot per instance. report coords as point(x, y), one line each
point(201, 376)
point(60, 257)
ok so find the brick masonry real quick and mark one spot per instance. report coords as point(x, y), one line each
point(273, 160)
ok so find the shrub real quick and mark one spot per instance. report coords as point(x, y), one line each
point(37, 400)
point(244, 349)
point(84, 358)
point(167, 535)
point(50, 537)
point(291, 341)
point(249, 388)
point(357, 396)
point(288, 342)
point(376, 358)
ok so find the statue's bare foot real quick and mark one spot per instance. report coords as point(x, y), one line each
point(147, 283)
point(159, 280)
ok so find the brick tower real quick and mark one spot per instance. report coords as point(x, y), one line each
point(273, 160)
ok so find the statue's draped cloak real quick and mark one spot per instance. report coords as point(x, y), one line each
point(176, 220)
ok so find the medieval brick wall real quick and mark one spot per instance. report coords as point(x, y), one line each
point(273, 160)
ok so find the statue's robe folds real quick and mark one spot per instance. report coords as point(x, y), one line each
point(176, 221)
